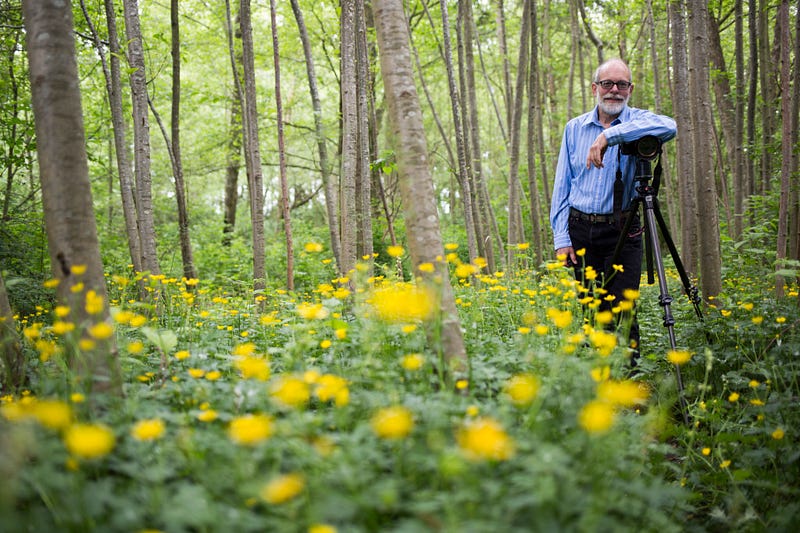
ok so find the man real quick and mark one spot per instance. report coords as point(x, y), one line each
point(583, 211)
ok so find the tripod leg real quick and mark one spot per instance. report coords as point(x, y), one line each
point(664, 300)
point(688, 287)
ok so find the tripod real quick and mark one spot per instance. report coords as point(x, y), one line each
point(654, 221)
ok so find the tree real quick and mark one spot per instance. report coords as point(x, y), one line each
point(12, 361)
point(416, 184)
point(112, 74)
point(708, 220)
point(787, 148)
point(684, 141)
point(66, 192)
point(252, 149)
point(233, 154)
point(331, 196)
point(141, 139)
point(348, 222)
point(287, 220)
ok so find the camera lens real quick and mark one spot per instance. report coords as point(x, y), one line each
point(648, 147)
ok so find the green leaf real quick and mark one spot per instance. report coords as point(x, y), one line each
point(164, 339)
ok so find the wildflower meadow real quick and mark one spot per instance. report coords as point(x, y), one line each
point(330, 409)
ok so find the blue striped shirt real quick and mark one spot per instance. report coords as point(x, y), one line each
point(591, 190)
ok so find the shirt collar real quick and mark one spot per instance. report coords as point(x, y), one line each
point(591, 117)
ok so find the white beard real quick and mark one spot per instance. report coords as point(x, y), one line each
point(611, 106)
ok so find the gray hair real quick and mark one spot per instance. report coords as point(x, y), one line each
point(604, 64)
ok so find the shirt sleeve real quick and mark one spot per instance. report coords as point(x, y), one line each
point(640, 124)
point(559, 207)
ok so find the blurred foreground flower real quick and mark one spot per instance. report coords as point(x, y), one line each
point(596, 416)
point(150, 429)
point(282, 489)
point(89, 441)
point(522, 389)
point(485, 439)
point(392, 422)
point(402, 303)
point(249, 430)
point(290, 391)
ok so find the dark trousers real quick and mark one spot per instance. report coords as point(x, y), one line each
point(599, 239)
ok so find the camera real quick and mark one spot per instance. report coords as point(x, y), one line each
point(647, 147)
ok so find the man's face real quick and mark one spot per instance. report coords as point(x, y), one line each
point(612, 101)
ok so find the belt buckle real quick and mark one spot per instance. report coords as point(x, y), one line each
point(592, 218)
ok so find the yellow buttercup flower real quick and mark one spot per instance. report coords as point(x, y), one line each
point(311, 311)
point(321, 528)
point(485, 439)
point(149, 429)
point(330, 387)
point(596, 416)
point(313, 247)
point(678, 357)
point(622, 393)
point(253, 368)
point(402, 303)
point(778, 434)
point(522, 389)
point(392, 422)
point(395, 251)
point(290, 391)
point(101, 330)
point(89, 441)
point(282, 488)
point(94, 302)
point(412, 362)
point(250, 430)
point(53, 414)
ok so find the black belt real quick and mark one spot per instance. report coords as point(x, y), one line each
point(594, 218)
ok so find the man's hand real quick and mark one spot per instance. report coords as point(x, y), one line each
point(568, 255)
point(596, 152)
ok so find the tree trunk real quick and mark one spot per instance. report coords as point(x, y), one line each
point(726, 105)
point(287, 220)
point(508, 91)
point(740, 167)
point(363, 170)
point(348, 222)
point(684, 141)
point(481, 203)
point(11, 356)
point(189, 271)
point(114, 89)
point(787, 149)
point(141, 138)
point(752, 95)
point(66, 190)
point(464, 179)
point(233, 156)
point(516, 232)
point(331, 197)
point(708, 222)
point(534, 132)
point(252, 149)
point(416, 183)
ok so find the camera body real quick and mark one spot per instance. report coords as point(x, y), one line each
point(647, 147)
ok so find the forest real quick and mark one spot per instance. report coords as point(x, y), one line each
point(289, 266)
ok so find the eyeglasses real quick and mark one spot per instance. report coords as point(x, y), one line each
point(622, 85)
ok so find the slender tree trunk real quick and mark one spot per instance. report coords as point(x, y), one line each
point(66, 190)
point(708, 222)
point(534, 132)
point(787, 147)
point(739, 174)
point(233, 155)
point(726, 105)
point(287, 220)
point(11, 143)
point(141, 138)
point(348, 221)
point(752, 95)
point(11, 356)
point(416, 183)
point(114, 89)
point(331, 196)
point(794, 198)
point(767, 81)
point(590, 33)
point(461, 145)
point(684, 141)
point(252, 149)
point(508, 91)
point(516, 232)
point(363, 170)
point(189, 271)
